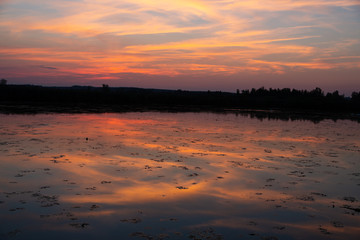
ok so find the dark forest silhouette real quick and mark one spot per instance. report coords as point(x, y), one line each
point(115, 99)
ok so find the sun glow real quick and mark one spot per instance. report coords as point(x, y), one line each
point(108, 40)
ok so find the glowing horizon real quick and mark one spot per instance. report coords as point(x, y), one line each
point(188, 44)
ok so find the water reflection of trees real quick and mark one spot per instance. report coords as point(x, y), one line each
point(295, 116)
point(107, 99)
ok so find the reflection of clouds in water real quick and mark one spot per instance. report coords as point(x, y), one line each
point(208, 169)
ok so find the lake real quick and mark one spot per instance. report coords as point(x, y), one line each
point(157, 175)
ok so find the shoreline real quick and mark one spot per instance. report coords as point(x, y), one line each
point(262, 114)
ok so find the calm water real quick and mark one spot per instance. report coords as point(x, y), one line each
point(177, 176)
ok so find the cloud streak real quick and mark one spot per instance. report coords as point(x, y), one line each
point(179, 39)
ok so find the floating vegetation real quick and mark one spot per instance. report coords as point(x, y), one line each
point(154, 175)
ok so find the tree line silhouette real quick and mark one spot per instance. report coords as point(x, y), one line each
point(118, 98)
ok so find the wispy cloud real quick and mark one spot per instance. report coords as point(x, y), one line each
point(106, 39)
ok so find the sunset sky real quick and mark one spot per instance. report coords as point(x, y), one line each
point(182, 44)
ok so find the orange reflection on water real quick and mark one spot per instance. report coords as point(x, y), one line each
point(229, 170)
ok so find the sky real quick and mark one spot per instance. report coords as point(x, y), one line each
point(182, 44)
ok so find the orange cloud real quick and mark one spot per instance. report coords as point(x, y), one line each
point(103, 40)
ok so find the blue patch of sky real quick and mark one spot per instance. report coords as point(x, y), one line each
point(179, 19)
point(346, 13)
point(316, 37)
point(15, 10)
point(285, 57)
point(285, 19)
point(120, 18)
point(189, 21)
point(162, 14)
point(336, 24)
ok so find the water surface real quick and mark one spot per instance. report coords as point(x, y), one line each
point(177, 176)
